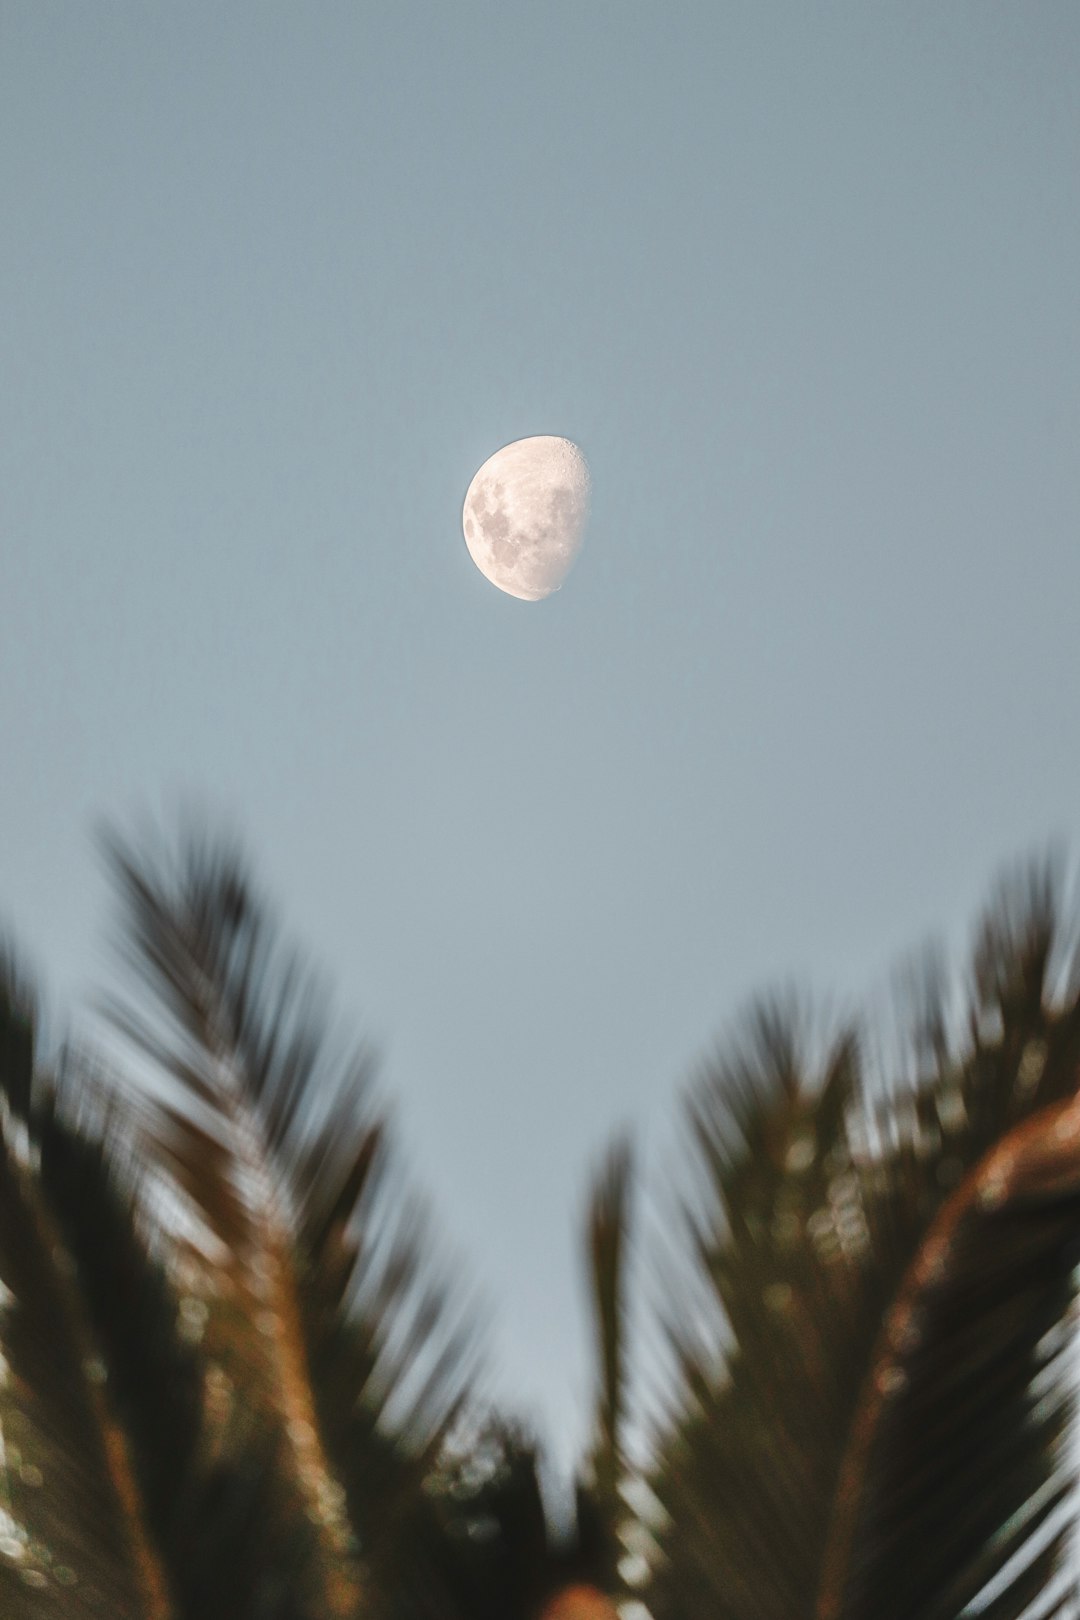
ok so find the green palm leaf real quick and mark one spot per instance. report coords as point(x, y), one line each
point(234, 1387)
point(600, 1508)
point(325, 1309)
point(73, 1533)
point(607, 1236)
point(815, 1201)
point(956, 1471)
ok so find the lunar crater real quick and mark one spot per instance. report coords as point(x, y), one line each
point(525, 513)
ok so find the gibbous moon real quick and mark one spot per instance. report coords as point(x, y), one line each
point(524, 515)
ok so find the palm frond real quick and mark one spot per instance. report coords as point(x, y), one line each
point(73, 1530)
point(204, 1467)
point(600, 1508)
point(233, 1385)
point(956, 1473)
point(332, 1308)
point(753, 1425)
point(816, 1197)
point(607, 1236)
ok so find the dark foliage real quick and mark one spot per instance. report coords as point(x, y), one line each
point(805, 1468)
point(236, 1384)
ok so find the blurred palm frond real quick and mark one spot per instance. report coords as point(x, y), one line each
point(330, 1313)
point(802, 1468)
point(237, 1384)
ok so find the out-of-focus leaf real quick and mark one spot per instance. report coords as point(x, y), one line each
point(956, 1472)
point(73, 1536)
point(600, 1508)
point(815, 1194)
point(333, 1318)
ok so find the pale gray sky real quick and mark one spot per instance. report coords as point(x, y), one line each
point(802, 281)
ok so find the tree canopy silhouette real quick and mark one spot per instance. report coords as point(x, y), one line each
point(237, 1381)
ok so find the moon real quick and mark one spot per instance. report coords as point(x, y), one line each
point(525, 513)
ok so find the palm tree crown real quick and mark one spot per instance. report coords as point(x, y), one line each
point(236, 1382)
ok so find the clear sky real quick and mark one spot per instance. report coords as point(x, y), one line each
point(803, 282)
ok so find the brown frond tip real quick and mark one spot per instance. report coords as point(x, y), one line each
point(948, 1399)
